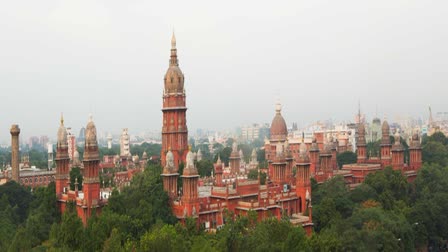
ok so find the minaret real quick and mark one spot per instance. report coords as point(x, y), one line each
point(386, 157)
point(91, 179)
point(170, 175)
point(303, 184)
point(62, 160)
point(174, 127)
point(190, 195)
point(397, 153)
point(415, 153)
point(15, 131)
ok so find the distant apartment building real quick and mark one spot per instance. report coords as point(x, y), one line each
point(255, 131)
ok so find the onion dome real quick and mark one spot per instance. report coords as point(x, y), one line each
point(333, 143)
point(415, 141)
point(327, 149)
point(314, 146)
point(169, 166)
point(135, 159)
point(76, 155)
point(91, 144)
point(62, 143)
point(190, 168)
point(174, 78)
point(397, 145)
point(235, 153)
point(199, 155)
point(303, 155)
point(278, 130)
point(279, 153)
point(145, 155)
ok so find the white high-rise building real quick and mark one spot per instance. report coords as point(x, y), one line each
point(124, 143)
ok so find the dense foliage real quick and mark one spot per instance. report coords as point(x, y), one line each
point(346, 157)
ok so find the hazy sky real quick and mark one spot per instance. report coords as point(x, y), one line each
point(319, 57)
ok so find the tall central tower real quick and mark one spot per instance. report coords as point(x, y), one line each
point(174, 128)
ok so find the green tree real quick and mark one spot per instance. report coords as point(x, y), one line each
point(346, 157)
point(435, 152)
point(373, 148)
point(165, 238)
point(68, 235)
point(204, 167)
point(390, 186)
point(75, 175)
point(20, 241)
point(253, 174)
point(224, 154)
point(113, 243)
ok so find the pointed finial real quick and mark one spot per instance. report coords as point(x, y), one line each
point(189, 147)
point(303, 137)
point(173, 41)
point(62, 119)
point(278, 107)
point(90, 117)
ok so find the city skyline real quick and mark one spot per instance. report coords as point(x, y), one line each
point(109, 60)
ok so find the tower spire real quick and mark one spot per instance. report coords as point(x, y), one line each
point(173, 60)
point(62, 119)
point(173, 41)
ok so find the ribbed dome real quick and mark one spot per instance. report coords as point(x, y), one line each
point(91, 145)
point(415, 141)
point(62, 143)
point(62, 135)
point(303, 155)
point(397, 145)
point(314, 146)
point(278, 130)
point(169, 167)
point(174, 78)
point(190, 168)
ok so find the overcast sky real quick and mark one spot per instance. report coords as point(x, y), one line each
point(319, 57)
